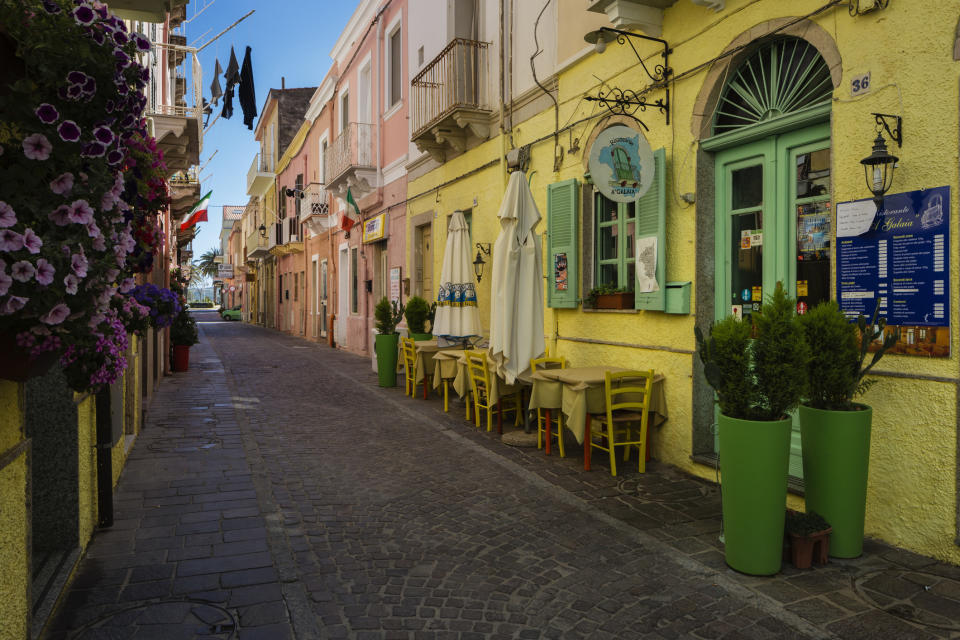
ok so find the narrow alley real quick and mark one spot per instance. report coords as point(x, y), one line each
point(260, 503)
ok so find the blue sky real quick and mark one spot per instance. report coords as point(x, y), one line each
point(288, 38)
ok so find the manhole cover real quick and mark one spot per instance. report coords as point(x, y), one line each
point(917, 596)
point(183, 445)
point(182, 619)
point(659, 488)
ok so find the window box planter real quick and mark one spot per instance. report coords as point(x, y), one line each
point(614, 301)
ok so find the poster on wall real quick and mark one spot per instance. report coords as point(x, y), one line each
point(395, 284)
point(899, 256)
point(621, 163)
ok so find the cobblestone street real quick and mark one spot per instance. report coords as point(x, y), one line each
point(306, 502)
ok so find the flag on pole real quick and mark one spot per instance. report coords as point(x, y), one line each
point(198, 213)
point(347, 221)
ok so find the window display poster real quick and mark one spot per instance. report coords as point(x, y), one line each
point(560, 271)
point(899, 257)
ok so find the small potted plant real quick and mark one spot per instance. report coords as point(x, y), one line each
point(806, 532)
point(417, 312)
point(835, 430)
point(387, 315)
point(753, 365)
point(183, 335)
point(607, 296)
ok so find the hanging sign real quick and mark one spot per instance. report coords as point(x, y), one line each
point(375, 228)
point(621, 164)
point(899, 256)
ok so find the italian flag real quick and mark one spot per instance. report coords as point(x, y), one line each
point(198, 213)
point(346, 220)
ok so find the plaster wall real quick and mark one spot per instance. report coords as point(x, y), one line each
point(14, 523)
point(912, 499)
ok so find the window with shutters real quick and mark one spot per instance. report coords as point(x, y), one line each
point(615, 232)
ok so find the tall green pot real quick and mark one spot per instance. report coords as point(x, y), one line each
point(385, 346)
point(754, 462)
point(836, 461)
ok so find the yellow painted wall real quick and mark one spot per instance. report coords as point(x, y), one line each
point(912, 494)
point(87, 467)
point(14, 527)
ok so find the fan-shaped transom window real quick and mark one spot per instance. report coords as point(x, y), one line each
point(780, 77)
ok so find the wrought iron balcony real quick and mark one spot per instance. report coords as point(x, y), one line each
point(351, 161)
point(177, 125)
point(316, 212)
point(260, 175)
point(448, 99)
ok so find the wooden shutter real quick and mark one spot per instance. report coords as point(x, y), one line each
point(562, 223)
point(651, 221)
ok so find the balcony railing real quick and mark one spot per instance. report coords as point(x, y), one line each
point(260, 174)
point(455, 79)
point(352, 148)
point(315, 211)
point(186, 104)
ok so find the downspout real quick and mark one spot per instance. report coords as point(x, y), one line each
point(502, 91)
point(510, 71)
point(104, 459)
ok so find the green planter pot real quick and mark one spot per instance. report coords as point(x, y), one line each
point(420, 337)
point(754, 462)
point(836, 460)
point(386, 350)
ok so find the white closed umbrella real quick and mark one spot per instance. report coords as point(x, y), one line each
point(457, 315)
point(516, 288)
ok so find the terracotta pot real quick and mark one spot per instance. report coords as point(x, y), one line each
point(16, 364)
point(614, 301)
point(810, 549)
point(181, 357)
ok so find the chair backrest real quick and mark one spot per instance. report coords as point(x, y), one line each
point(408, 349)
point(479, 373)
point(558, 362)
point(628, 390)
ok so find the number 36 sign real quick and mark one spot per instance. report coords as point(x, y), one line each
point(860, 84)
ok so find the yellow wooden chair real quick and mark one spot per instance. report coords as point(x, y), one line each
point(627, 395)
point(544, 414)
point(480, 383)
point(408, 352)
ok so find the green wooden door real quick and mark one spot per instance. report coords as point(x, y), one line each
point(773, 219)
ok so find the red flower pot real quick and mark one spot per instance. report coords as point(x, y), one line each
point(181, 357)
point(16, 364)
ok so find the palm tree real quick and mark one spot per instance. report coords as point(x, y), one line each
point(207, 264)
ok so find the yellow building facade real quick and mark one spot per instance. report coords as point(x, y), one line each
point(871, 59)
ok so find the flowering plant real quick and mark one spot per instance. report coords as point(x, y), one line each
point(134, 315)
point(163, 304)
point(146, 190)
point(70, 112)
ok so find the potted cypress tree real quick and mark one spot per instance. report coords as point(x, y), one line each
point(183, 335)
point(387, 315)
point(416, 312)
point(835, 430)
point(753, 366)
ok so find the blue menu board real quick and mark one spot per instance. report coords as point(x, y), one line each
point(899, 255)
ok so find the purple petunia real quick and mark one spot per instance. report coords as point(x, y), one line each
point(110, 106)
point(70, 283)
point(77, 77)
point(78, 263)
point(56, 315)
point(60, 216)
point(93, 230)
point(84, 15)
point(90, 86)
point(45, 272)
point(10, 240)
point(103, 135)
point(13, 304)
point(115, 157)
point(141, 41)
point(62, 184)
point(126, 285)
point(123, 60)
point(74, 92)
point(5, 282)
point(81, 212)
point(69, 131)
point(93, 150)
point(8, 216)
point(22, 271)
point(37, 147)
point(31, 241)
point(47, 113)
point(120, 38)
point(99, 243)
point(99, 38)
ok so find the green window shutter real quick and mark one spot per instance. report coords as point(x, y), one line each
point(562, 222)
point(651, 222)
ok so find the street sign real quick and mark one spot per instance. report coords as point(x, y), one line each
point(225, 271)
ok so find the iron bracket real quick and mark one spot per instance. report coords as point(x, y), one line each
point(897, 133)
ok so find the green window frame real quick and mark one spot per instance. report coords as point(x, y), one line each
point(615, 242)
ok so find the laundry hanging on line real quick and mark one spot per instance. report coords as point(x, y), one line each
point(215, 91)
point(231, 77)
point(247, 95)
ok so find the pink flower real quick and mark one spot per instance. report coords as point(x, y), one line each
point(71, 282)
point(10, 240)
point(78, 263)
point(45, 272)
point(99, 243)
point(22, 271)
point(80, 212)
point(12, 305)
point(62, 184)
point(32, 241)
point(60, 215)
point(93, 230)
point(8, 217)
point(37, 147)
point(56, 315)
point(126, 285)
point(112, 277)
point(108, 201)
point(5, 282)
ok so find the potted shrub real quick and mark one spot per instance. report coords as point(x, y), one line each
point(183, 335)
point(607, 296)
point(387, 315)
point(806, 532)
point(835, 430)
point(417, 312)
point(752, 365)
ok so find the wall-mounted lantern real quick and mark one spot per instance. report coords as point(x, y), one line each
point(483, 248)
point(263, 231)
point(878, 167)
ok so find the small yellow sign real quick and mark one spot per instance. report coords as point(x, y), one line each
point(375, 228)
point(756, 293)
point(802, 288)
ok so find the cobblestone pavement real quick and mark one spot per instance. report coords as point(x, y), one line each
point(276, 492)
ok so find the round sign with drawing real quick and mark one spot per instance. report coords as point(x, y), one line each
point(621, 164)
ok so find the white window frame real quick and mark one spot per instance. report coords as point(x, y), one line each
point(391, 30)
point(344, 93)
point(324, 138)
point(365, 110)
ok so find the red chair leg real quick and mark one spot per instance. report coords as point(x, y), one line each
point(546, 420)
point(424, 387)
point(499, 417)
point(586, 445)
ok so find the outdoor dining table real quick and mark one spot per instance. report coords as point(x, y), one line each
point(426, 352)
point(452, 365)
point(578, 391)
point(445, 366)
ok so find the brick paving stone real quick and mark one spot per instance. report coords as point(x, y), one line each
point(358, 512)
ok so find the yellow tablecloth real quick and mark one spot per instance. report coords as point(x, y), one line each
point(452, 364)
point(445, 365)
point(579, 390)
point(426, 351)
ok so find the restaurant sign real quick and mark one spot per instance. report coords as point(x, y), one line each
point(375, 228)
point(224, 271)
point(621, 164)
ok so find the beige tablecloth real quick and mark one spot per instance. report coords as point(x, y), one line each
point(452, 365)
point(426, 351)
point(445, 366)
point(579, 390)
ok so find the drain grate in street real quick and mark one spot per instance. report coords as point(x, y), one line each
point(180, 619)
point(916, 596)
point(184, 445)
